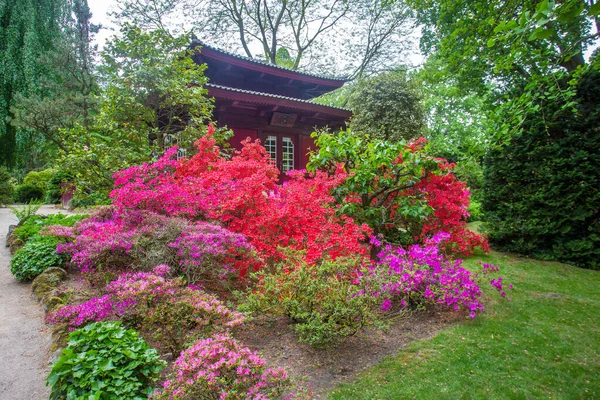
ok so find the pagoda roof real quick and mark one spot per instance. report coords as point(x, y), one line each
point(227, 67)
point(249, 96)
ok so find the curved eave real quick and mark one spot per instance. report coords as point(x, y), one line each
point(223, 92)
point(255, 65)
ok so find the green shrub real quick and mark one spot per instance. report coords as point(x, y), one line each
point(38, 179)
point(105, 361)
point(7, 190)
point(89, 200)
point(36, 256)
point(542, 191)
point(33, 225)
point(54, 188)
point(320, 299)
point(388, 106)
point(476, 214)
point(27, 193)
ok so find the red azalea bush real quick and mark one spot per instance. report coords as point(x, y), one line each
point(242, 193)
point(404, 194)
point(449, 199)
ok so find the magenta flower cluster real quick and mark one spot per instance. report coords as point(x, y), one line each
point(208, 248)
point(111, 238)
point(424, 274)
point(138, 293)
point(220, 368)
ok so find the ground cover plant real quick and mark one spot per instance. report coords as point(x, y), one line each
point(110, 240)
point(105, 361)
point(36, 256)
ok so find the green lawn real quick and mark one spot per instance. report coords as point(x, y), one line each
point(544, 343)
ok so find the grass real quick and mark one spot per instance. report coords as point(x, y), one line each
point(544, 343)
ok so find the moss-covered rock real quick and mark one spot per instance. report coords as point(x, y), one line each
point(47, 281)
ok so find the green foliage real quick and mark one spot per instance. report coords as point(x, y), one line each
point(83, 200)
point(27, 193)
point(27, 30)
point(377, 170)
point(320, 299)
point(541, 190)
point(388, 107)
point(54, 191)
point(105, 361)
point(7, 190)
point(26, 211)
point(38, 179)
point(33, 225)
point(36, 256)
point(161, 102)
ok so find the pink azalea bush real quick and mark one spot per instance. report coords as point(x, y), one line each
point(140, 239)
point(220, 368)
point(165, 310)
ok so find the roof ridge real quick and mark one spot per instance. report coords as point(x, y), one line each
point(277, 96)
point(198, 42)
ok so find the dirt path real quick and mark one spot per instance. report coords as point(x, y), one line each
point(24, 340)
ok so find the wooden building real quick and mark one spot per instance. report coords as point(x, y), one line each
point(271, 103)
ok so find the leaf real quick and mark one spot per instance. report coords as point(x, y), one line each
point(491, 42)
point(595, 9)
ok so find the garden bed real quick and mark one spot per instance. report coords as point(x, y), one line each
point(324, 368)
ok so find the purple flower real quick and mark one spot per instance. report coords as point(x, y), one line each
point(386, 305)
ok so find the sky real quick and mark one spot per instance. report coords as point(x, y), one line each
point(100, 9)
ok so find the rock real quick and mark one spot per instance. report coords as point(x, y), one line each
point(49, 302)
point(55, 356)
point(47, 281)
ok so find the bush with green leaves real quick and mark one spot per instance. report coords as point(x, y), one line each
point(322, 300)
point(36, 256)
point(542, 191)
point(7, 190)
point(33, 225)
point(26, 193)
point(105, 361)
point(38, 179)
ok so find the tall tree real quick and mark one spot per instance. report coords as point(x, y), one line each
point(27, 30)
point(368, 35)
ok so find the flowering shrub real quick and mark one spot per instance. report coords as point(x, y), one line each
point(404, 194)
point(165, 310)
point(323, 300)
point(449, 199)
point(141, 239)
point(424, 275)
point(220, 368)
point(242, 194)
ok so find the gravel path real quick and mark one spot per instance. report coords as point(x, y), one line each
point(24, 339)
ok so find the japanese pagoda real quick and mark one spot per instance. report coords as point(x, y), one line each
point(268, 102)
